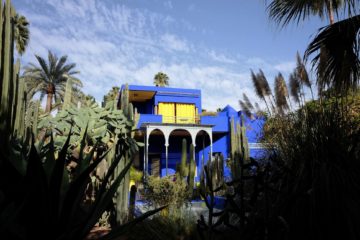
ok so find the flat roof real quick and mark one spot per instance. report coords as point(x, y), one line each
point(163, 90)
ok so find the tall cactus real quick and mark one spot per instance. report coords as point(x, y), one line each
point(7, 70)
point(182, 168)
point(122, 200)
point(235, 155)
point(186, 169)
point(192, 166)
point(11, 89)
point(68, 94)
point(239, 147)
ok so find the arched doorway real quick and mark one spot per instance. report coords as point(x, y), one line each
point(156, 149)
point(203, 149)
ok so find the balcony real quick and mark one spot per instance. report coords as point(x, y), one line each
point(153, 118)
point(180, 120)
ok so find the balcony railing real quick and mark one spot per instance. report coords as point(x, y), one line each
point(181, 120)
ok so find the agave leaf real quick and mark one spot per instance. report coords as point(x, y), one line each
point(49, 163)
point(35, 207)
point(74, 195)
point(57, 177)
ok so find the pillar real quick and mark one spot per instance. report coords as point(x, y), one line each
point(146, 152)
point(166, 158)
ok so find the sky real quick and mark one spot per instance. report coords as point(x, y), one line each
point(203, 44)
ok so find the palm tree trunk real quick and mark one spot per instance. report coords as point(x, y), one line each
point(48, 102)
point(330, 11)
point(50, 94)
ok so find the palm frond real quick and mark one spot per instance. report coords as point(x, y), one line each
point(285, 11)
point(21, 33)
point(336, 59)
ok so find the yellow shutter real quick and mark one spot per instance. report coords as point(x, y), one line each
point(167, 110)
point(185, 113)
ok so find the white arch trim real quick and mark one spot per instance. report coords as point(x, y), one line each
point(167, 130)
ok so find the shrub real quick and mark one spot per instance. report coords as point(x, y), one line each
point(166, 191)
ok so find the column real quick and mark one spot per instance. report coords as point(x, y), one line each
point(147, 152)
point(166, 158)
point(166, 132)
point(144, 159)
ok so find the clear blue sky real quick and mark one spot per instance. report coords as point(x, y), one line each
point(205, 44)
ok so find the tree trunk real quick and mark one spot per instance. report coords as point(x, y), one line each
point(330, 11)
point(50, 94)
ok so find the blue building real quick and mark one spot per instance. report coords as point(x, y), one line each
point(168, 115)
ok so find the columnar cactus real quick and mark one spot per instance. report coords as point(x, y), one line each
point(68, 94)
point(182, 168)
point(239, 147)
point(11, 89)
point(192, 166)
point(186, 169)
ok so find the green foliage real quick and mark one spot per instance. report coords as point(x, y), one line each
point(48, 200)
point(103, 125)
point(166, 191)
point(186, 169)
point(136, 175)
point(182, 226)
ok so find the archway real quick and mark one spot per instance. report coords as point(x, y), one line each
point(156, 147)
point(203, 149)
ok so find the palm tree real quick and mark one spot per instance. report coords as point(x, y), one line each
point(335, 48)
point(21, 33)
point(285, 11)
point(50, 78)
point(161, 80)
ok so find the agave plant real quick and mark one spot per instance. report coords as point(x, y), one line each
point(45, 205)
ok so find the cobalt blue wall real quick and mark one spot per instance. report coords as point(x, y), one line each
point(221, 123)
point(149, 118)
